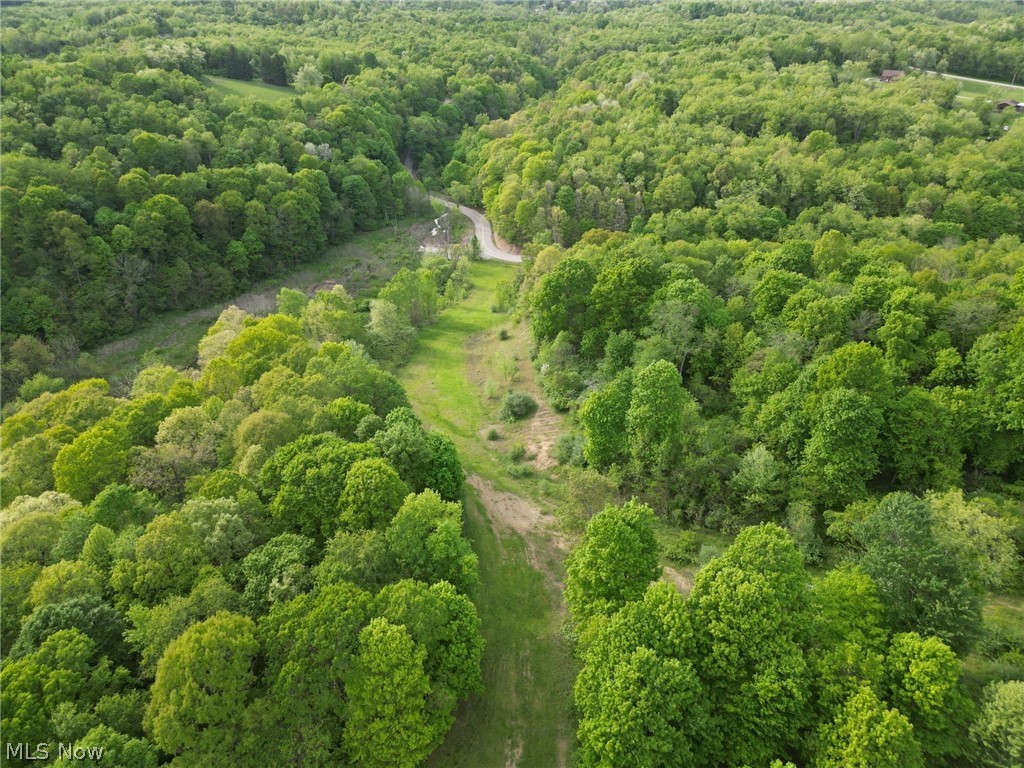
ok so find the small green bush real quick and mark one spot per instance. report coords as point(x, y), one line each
point(569, 450)
point(518, 471)
point(685, 549)
point(517, 453)
point(493, 434)
point(503, 334)
point(518, 405)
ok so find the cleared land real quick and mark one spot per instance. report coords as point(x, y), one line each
point(228, 87)
point(523, 717)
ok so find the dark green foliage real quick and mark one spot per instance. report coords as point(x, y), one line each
point(89, 615)
point(922, 585)
point(517, 406)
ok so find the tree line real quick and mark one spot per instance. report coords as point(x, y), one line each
point(260, 560)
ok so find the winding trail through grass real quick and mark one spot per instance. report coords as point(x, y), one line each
point(523, 718)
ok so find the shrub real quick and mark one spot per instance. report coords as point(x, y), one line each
point(503, 334)
point(569, 450)
point(517, 453)
point(685, 550)
point(493, 434)
point(518, 405)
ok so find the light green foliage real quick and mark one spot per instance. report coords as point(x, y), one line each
point(117, 749)
point(922, 680)
point(66, 580)
point(291, 302)
point(96, 550)
point(96, 458)
point(560, 300)
point(923, 585)
point(426, 540)
point(603, 418)
point(308, 498)
point(414, 295)
point(166, 562)
point(64, 670)
point(372, 495)
point(842, 452)
point(31, 527)
point(982, 542)
point(311, 644)
point(445, 623)
point(614, 563)
point(404, 444)
point(640, 699)
point(223, 527)
point(997, 731)
point(866, 734)
point(445, 474)
point(388, 724)
point(750, 617)
point(388, 331)
point(346, 414)
point(203, 684)
point(154, 628)
point(658, 411)
point(358, 558)
point(117, 506)
point(331, 316)
point(759, 483)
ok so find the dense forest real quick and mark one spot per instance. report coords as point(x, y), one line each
point(779, 297)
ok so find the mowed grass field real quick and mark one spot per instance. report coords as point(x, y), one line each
point(227, 87)
point(970, 90)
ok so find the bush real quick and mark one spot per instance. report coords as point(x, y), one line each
point(503, 334)
point(493, 434)
point(518, 405)
point(569, 450)
point(517, 453)
point(685, 550)
point(518, 471)
point(708, 552)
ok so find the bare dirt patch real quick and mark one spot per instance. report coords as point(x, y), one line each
point(506, 509)
point(681, 581)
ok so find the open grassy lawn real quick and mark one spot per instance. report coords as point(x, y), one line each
point(362, 265)
point(227, 87)
point(996, 93)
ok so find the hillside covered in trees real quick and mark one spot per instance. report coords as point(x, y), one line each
point(777, 299)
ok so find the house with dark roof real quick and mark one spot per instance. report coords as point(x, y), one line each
point(888, 75)
point(1010, 104)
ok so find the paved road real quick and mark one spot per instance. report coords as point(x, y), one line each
point(974, 80)
point(484, 233)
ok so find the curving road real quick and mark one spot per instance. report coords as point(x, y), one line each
point(484, 233)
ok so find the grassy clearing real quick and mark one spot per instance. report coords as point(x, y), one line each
point(523, 717)
point(271, 93)
point(362, 265)
point(448, 385)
